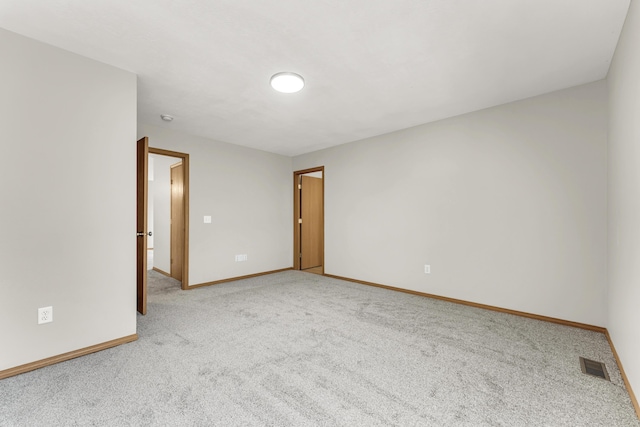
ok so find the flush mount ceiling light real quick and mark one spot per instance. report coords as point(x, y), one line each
point(166, 117)
point(287, 82)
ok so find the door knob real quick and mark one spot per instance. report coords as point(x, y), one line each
point(142, 233)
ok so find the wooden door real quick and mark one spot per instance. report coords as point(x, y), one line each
point(177, 220)
point(141, 223)
point(311, 213)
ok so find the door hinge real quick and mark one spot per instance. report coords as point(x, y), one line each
point(299, 186)
point(300, 254)
point(299, 220)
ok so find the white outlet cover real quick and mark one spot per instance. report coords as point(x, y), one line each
point(207, 219)
point(427, 269)
point(45, 315)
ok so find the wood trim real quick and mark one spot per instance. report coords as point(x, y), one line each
point(185, 256)
point(314, 169)
point(296, 225)
point(164, 273)
point(478, 305)
point(296, 214)
point(163, 152)
point(185, 164)
point(233, 279)
point(627, 384)
point(66, 356)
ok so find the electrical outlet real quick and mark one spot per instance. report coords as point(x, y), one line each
point(427, 269)
point(242, 257)
point(45, 315)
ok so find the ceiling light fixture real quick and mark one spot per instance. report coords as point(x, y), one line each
point(166, 117)
point(287, 82)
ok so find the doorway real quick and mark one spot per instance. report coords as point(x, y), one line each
point(308, 224)
point(146, 238)
point(171, 220)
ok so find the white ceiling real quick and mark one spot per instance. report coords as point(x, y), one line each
point(371, 66)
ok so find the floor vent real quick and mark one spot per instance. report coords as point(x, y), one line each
point(591, 367)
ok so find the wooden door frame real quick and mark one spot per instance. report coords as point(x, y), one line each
point(185, 171)
point(296, 215)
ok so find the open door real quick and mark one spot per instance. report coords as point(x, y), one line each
point(311, 211)
point(141, 223)
point(177, 220)
point(308, 220)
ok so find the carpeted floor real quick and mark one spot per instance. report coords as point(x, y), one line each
point(298, 349)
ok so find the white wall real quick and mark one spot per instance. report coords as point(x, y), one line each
point(507, 205)
point(150, 207)
point(624, 197)
point(150, 225)
point(161, 197)
point(67, 186)
point(248, 193)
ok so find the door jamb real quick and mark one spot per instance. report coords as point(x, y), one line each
point(296, 215)
point(185, 171)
